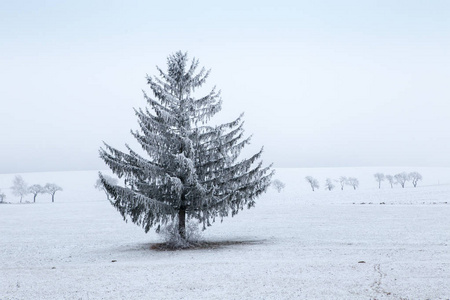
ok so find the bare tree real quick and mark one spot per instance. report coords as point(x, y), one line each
point(36, 189)
point(342, 181)
point(110, 180)
point(2, 197)
point(379, 177)
point(278, 185)
point(391, 180)
point(329, 184)
point(415, 177)
point(313, 182)
point(51, 188)
point(354, 182)
point(402, 178)
point(19, 187)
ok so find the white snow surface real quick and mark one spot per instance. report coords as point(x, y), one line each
point(296, 244)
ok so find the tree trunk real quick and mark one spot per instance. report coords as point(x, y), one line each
point(53, 197)
point(34, 198)
point(182, 223)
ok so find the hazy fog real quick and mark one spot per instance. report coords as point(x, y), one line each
point(323, 83)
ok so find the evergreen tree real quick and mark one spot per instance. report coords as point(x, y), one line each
point(189, 170)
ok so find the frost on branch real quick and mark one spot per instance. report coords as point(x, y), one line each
point(111, 181)
point(189, 170)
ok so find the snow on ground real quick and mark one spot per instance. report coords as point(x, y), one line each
point(297, 244)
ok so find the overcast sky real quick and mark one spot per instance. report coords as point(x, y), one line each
point(322, 83)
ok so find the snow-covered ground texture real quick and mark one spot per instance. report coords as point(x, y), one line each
point(296, 244)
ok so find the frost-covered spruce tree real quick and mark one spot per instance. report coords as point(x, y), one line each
point(189, 169)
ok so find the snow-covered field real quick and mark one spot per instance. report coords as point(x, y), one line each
point(297, 244)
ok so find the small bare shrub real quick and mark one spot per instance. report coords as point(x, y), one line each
point(173, 240)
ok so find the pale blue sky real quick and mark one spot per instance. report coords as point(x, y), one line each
point(322, 83)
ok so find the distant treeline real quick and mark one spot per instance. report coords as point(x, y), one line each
point(400, 178)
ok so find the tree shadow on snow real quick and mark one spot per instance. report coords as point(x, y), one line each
point(205, 245)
